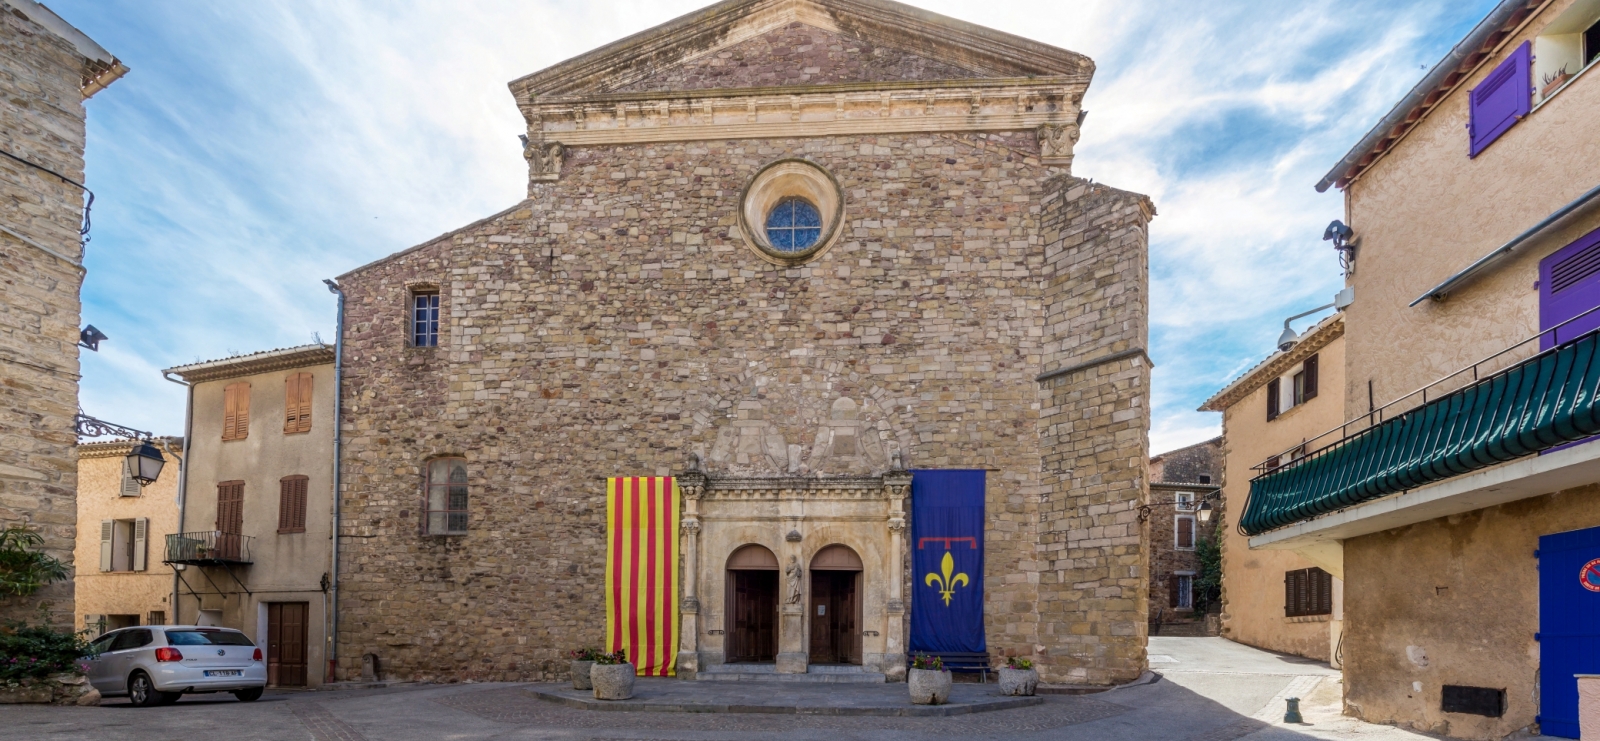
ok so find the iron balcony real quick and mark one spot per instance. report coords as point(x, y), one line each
point(208, 548)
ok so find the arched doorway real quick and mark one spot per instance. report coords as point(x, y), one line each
point(836, 606)
point(752, 605)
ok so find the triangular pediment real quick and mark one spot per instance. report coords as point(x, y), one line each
point(783, 43)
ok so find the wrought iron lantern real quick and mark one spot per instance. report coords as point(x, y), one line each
point(145, 462)
point(1204, 513)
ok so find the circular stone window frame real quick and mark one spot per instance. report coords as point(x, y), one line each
point(790, 178)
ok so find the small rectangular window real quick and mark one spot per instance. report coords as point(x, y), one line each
point(1183, 533)
point(157, 617)
point(297, 403)
point(1185, 591)
point(236, 411)
point(1307, 592)
point(1183, 501)
point(1299, 388)
point(1272, 399)
point(1310, 383)
point(292, 504)
point(447, 497)
point(425, 319)
point(1591, 43)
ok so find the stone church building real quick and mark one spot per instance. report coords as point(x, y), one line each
point(790, 252)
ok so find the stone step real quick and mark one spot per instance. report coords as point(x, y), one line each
point(769, 673)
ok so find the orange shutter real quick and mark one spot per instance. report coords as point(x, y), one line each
point(292, 504)
point(236, 411)
point(297, 403)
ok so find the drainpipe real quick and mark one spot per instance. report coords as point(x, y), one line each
point(338, 403)
point(183, 484)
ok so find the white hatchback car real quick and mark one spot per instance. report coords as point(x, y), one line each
point(157, 664)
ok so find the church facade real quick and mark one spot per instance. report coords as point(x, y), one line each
point(789, 252)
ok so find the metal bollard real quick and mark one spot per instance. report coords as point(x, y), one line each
point(1293, 715)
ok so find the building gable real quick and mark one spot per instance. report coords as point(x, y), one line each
point(799, 54)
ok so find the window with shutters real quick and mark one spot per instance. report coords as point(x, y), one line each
point(446, 512)
point(1296, 387)
point(1565, 48)
point(1273, 399)
point(424, 318)
point(230, 518)
point(1569, 286)
point(292, 504)
point(236, 411)
point(1502, 99)
point(1183, 532)
point(1307, 592)
point(1180, 590)
point(297, 403)
point(124, 544)
point(130, 485)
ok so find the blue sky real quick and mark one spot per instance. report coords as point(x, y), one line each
point(257, 148)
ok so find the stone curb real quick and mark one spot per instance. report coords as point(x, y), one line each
point(637, 706)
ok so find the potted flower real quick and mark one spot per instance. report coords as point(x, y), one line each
point(612, 676)
point(929, 681)
point(582, 660)
point(1553, 81)
point(1018, 677)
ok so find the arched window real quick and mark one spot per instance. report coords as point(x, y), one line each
point(447, 497)
point(794, 225)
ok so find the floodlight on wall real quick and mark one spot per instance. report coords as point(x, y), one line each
point(90, 338)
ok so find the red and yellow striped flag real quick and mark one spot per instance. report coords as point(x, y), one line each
point(642, 572)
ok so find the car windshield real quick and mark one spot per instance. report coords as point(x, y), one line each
point(206, 638)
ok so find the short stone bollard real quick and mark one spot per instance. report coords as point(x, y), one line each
point(1292, 715)
point(612, 681)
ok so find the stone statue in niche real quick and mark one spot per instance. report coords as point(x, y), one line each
point(544, 159)
point(1056, 142)
point(793, 573)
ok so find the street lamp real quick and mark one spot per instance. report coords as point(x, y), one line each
point(145, 462)
point(1204, 513)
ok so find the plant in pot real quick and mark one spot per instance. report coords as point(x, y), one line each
point(1554, 81)
point(582, 660)
point(1018, 677)
point(612, 676)
point(929, 681)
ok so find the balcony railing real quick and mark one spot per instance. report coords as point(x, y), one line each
point(1515, 403)
point(208, 548)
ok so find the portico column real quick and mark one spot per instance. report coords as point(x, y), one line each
point(896, 484)
point(692, 484)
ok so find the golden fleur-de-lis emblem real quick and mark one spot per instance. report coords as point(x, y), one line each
point(947, 583)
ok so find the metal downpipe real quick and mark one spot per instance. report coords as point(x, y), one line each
point(183, 484)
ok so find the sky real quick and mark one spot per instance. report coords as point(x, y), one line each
point(258, 148)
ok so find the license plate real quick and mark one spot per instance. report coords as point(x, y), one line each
point(223, 673)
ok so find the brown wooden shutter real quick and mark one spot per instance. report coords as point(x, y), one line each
point(1311, 378)
point(230, 506)
point(1272, 399)
point(1172, 590)
point(236, 411)
point(1291, 592)
point(292, 504)
point(1185, 532)
point(297, 403)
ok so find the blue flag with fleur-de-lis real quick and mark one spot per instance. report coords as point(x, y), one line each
point(947, 561)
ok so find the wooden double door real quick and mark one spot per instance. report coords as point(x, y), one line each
point(287, 624)
point(835, 617)
point(752, 632)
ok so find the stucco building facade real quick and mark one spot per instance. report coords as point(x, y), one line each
point(120, 579)
point(1259, 595)
point(786, 252)
point(254, 546)
point(1468, 603)
point(47, 70)
point(1181, 481)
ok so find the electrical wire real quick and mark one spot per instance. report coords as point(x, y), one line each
point(83, 229)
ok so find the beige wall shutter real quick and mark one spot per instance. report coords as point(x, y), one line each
point(130, 485)
point(236, 411)
point(106, 528)
point(141, 529)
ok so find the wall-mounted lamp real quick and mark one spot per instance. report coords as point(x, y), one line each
point(90, 338)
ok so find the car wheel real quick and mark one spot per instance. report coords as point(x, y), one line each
point(249, 695)
point(143, 693)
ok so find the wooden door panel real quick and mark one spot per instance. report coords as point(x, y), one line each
point(287, 626)
point(820, 615)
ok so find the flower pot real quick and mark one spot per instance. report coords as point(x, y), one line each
point(1019, 682)
point(929, 686)
point(580, 675)
point(612, 681)
point(1551, 86)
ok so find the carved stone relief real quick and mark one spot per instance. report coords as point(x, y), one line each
point(1056, 142)
point(544, 160)
point(845, 444)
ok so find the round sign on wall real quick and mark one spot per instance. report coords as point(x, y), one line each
point(1589, 577)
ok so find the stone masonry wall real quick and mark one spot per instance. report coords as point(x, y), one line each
point(1093, 424)
point(42, 121)
point(799, 55)
point(612, 323)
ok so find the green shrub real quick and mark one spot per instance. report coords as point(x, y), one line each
point(23, 569)
point(38, 651)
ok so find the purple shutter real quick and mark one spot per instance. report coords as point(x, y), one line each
point(1502, 99)
point(1569, 285)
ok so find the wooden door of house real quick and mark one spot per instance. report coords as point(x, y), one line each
point(286, 643)
point(754, 607)
point(834, 604)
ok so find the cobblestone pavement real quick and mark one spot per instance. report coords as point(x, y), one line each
point(1212, 691)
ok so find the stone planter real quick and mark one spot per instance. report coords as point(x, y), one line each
point(612, 681)
point(929, 686)
point(1018, 682)
point(61, 689)
point(580, 675)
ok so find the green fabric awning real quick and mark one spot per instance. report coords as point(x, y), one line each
point(1541, 403)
